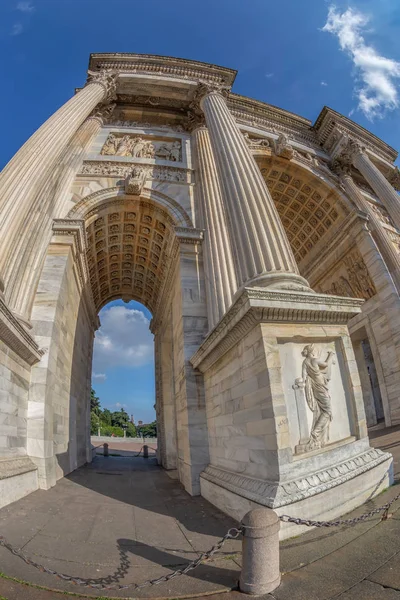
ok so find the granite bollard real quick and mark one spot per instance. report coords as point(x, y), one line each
point(260, 552)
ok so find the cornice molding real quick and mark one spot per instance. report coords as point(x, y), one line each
point(259, 305)
point(189, 235)
point(330, 123)
point(276, 494)
point(16, 337)
point(162, 66)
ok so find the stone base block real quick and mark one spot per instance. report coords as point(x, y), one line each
point(18, 478)
point(329, 504)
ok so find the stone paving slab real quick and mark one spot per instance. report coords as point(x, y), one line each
point(126, 517)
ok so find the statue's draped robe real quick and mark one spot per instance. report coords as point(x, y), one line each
point(319, 401)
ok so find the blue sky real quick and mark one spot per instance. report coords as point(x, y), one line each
point(293, 53)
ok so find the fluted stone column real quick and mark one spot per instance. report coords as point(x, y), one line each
point(389, 253)
point(25, 174)
point(262, 252)
point(378, 182)
point(29, 251)
point(220, 278)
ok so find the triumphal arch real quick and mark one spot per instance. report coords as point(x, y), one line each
point(267, 249)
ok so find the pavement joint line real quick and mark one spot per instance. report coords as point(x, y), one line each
point(366, 578)
point(91, 597)
point(373, 525)
point(386, 587)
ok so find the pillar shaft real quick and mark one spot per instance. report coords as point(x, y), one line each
point(220, 278)
point(382, 188)
point(262, 252)
point(24, 176)
point(389, 253)
point(28, 252)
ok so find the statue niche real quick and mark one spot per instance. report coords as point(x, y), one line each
point(315, 377)
point(137, 146)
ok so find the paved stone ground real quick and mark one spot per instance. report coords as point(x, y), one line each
point(127, 514)
point(126, 448)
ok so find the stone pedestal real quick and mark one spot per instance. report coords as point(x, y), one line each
point(260, 454)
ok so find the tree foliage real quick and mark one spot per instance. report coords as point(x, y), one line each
point(109, 422)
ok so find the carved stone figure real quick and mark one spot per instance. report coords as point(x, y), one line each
point(283, 148)
point(255, 142)
point(148, 150)
point(315, 376)
point(111, 145)
point(125, 146)
point(135, 181)
point(175, 152)
point(138, 145)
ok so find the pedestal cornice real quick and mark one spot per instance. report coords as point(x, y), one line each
point(15, 336)
point(258, 305)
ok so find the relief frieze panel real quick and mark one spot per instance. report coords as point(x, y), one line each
point(140, 146)
point(123, 169)
point(350, 278)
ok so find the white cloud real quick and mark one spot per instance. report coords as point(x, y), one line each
point(17, 29)
point(324, 83)
point(269, 75)
point(99, 377)
point(25, 7)
point(376, 75)
point(123, 340)
point(119, 405)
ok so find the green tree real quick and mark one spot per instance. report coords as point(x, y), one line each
point(148, 429)
point(119, 418)
point(94, 402)
point(94, 423)
point(131, 430)
point(107, 416)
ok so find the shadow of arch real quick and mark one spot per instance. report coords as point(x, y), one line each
point(100, 198)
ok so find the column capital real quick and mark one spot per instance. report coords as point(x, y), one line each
point(204, 89)
point(340, 166)
point(394, 178)
point(195, 120)
point(107, 78)
point(102, 112)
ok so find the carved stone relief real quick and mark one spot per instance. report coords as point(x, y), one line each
point(135, 181)
point(257, 143)
point(283, 148)
point(350, 278)
point(306, 212)
point(314, 379)
point(383, 214)
point(115, 169)
point(141, 147)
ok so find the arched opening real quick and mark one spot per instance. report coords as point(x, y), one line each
point(119, 248)
point(123, 382)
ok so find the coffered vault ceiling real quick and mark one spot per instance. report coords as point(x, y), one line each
point(307, 207)
point(129, 250)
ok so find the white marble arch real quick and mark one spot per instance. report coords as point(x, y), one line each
point(102, 197)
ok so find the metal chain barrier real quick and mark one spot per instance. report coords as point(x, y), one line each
point(104, 582)
point(338, 523)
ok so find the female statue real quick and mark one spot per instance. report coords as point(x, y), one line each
point(315, 376)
